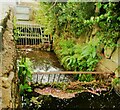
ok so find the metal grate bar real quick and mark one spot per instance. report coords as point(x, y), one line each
point(32, 35)
point(49, 78)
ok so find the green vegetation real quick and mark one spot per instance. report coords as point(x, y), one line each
point(108, 20)
point(66, 18)
point(116, 82)
point(15, 30)
point(25, 75)
point(78, 57)
point(67, 22)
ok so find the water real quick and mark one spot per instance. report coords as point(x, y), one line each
point(45, 62)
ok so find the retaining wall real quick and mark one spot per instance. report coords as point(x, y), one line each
point(8, 64)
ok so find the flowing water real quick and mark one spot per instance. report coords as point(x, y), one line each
point(46, 62)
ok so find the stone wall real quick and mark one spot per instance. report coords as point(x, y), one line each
point(111, 60)
point(8, 64)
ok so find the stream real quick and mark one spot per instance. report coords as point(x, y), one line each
point(46, 62)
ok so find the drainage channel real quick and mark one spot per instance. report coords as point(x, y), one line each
point(48, 62)
point(31, 34)
point(45, 62)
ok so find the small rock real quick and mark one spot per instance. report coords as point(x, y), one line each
point(11, 76)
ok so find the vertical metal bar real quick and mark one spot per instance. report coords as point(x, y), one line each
point(37, 78)
point(42, 78)
point(26, 34)
point(35, 34)
point(48, 77)
point(30, 37)
point(23, 37)
point(33, 37)
point(58, 77)
point(39, 35)
point(54, 77)
point(64, 78)
point(22, 41)
point(20, 35)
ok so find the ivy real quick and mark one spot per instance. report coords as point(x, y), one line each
point(108, 23)
point(66, 17)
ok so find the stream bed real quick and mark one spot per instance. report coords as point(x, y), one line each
point(46, 62)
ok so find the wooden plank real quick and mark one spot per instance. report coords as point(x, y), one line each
point(72, 72)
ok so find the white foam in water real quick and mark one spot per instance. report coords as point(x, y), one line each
point(38, 70)
point(52, 69)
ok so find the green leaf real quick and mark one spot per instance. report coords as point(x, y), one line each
point(118, 18)
point(29, 90)
point(99, 5)
point(105, 6)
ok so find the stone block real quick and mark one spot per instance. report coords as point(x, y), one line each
point(107, 65)
point(115, 56)
point(11, 76)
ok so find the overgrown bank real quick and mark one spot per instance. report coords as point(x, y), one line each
point(84, 33)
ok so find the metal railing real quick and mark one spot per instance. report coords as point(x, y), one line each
point(31, 34)
point(50, 78)
point(28, 34)
point(62, 76)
